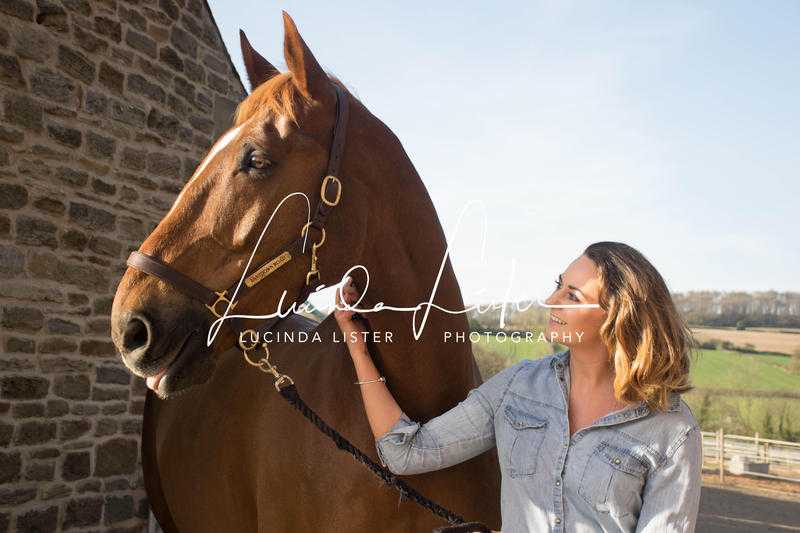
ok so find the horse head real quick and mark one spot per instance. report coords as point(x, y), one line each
point(279, 146)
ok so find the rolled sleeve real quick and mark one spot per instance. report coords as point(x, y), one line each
point(391, 445)
point(671, 496)
point(456, 435)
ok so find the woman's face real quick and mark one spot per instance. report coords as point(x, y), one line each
point(571, 326)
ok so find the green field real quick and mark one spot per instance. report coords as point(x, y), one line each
point(741, 392)
point(721, 369)
point(714, 369)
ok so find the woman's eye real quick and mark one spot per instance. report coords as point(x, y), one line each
point(573, 297)
point(258, 160)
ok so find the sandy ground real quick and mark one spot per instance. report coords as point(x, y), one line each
point(745, 505)
point(742, 505)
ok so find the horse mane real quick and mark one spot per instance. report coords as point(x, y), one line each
point(277, 96)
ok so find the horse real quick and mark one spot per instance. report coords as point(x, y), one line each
point(220, 450)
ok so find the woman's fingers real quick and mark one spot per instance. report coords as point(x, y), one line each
point(351, 296)
point(349, 293)
point(348, 297)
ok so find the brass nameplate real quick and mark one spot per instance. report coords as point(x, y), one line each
point(268, 268)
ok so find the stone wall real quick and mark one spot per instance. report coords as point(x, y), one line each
point(106, 108)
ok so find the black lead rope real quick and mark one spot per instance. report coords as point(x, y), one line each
point(290, 394)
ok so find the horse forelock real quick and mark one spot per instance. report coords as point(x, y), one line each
point(277, 96)
point(277, 100)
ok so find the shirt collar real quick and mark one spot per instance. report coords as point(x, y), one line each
point(560, 362)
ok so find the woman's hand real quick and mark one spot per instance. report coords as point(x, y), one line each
point(352, 330)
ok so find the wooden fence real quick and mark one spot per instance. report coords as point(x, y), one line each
point(752, 456)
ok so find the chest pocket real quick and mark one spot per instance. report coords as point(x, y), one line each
point(613, 480)
point(526, 432)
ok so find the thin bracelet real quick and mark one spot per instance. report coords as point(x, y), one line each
point(369, 381)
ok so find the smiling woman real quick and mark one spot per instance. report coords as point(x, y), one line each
point(593, 438)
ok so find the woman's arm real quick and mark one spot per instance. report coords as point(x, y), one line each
point(381, 407)
point(671, 495)
point(405, 446)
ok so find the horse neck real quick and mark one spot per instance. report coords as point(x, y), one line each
point(404, 251)
point(428, 374)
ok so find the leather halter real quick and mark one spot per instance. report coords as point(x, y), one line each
point(330, 194)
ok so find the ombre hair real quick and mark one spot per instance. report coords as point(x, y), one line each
point(647, 338)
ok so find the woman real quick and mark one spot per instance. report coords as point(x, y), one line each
point(594, 438)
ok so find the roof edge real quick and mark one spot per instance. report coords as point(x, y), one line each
point(225, 48)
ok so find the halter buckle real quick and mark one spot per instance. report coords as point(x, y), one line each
point(305, 229)
point(221, 297)
point(324, 188)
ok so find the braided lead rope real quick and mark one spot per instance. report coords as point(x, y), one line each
point(290, 393)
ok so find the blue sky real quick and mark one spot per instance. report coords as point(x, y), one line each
point(671, 126)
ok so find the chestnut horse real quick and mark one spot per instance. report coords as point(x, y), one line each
point(221, 450)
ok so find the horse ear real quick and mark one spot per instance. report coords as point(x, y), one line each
point(306, 72)
point(259, 69)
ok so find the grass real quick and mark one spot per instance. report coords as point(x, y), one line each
point(771, 418)
point(517, 351)
point(713, 369)
point(721, 369)
point(732, 389)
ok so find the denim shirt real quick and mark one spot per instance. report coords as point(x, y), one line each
point(631, 470)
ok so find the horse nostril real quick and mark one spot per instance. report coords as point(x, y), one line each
point(137, 334)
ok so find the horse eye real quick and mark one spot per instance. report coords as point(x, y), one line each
point(258, 160)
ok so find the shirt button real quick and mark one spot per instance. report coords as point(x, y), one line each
point(617, 460)
point(566, 445)
point(558, 483)
point(558, 520)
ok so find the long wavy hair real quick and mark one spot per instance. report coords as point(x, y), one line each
point(648, 340)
